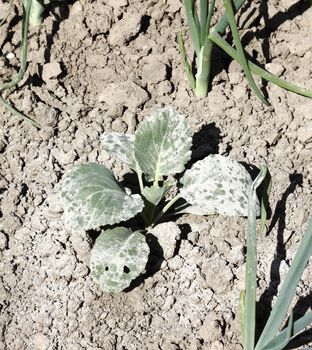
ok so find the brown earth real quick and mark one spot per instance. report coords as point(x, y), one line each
point(97, 66)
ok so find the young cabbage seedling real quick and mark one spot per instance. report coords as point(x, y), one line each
point(272, 337)
point(160, 148)
point(203, 39)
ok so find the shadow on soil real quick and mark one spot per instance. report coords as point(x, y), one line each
point(270, 26)
point(264, 306)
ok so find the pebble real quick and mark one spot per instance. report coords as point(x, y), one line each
point(51, 70)
point(275, 68)
point(175, 263)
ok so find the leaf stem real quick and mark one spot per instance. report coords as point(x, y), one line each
point(139, 175)
point(203, 63)
point(166, 208)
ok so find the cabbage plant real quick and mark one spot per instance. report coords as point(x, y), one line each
point(275, 335)
point(160, 148)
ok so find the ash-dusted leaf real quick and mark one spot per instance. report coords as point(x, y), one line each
point(120, 146)
point(217, 185)
point(155, 194)
point(118, 256)
point(162, 144)
point(92, 197)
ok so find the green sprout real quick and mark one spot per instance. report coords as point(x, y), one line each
point(203, 39)
point(272, 337)
point(36, 13)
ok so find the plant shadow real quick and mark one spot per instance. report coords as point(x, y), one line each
point(264, 306)
point(155, 260)
point(302, 306)
point(206, 141)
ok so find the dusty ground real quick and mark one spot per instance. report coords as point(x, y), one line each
point(96, 66)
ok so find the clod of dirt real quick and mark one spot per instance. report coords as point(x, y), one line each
point(51, 70)
point(167, 234)
point(211, 268)
point(128, 94)
point(211, 329)
point(125, 29)
point(305, 133)
point(154, 70)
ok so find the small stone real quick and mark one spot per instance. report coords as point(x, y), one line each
point(51, 70)
point(175, 263)
point(167, 234)
point(275, 68)
point(10, 55)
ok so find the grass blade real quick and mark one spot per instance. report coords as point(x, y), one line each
point(298, 327)
point(18, 114)
point(242, 59)
point(251, 265)
point(210, 13)
point(267, 184)
point(288, 289)
point(193, 23)
point(256, 69)
point(224, 21)
point(279, 343)
point(185, 60)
